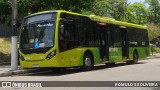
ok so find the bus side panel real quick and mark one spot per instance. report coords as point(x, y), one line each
point(74, 57)
point(70, 57)
point(95, 52)
point(115, 54)
point(143, 52)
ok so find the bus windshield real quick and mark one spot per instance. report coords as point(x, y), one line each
point(38, 35)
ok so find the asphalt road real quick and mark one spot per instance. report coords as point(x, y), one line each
point(145, 70)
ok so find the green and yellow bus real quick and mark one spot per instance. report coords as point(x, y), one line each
point(57, 39)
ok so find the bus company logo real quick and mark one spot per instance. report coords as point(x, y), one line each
point(6, 84)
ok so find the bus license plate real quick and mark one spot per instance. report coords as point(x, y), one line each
point(35, 65)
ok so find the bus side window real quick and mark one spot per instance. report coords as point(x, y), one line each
point(114, 36)
point(62, 44)
point(68, 38)
point(71, 34)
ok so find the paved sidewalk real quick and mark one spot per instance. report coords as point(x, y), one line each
point(5, 70)
point(157, 55)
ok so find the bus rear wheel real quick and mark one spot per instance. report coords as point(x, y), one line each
point(135, 58)
point(87, 62)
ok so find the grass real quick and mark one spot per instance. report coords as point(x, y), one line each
point(154, 49)
point(5, 47)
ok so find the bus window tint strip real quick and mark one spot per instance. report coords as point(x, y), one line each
point(41, 17)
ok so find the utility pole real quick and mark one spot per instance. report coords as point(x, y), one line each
point(14, 46)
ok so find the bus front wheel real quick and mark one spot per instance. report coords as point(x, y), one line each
point(88, 62)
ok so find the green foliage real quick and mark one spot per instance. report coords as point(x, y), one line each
point(26, 7)
point(154, 49)
point(5, 50)
point(32, 6)
point(110, 8)
point(136, 13)
point(5, 12)
point(86, 12)
point(153, 31)
point(154, 11)
point(117, 9)
point(101, 8)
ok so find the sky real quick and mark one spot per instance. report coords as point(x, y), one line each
point(132, 1)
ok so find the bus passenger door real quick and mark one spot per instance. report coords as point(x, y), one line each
point(125, 46)
point(104, 49)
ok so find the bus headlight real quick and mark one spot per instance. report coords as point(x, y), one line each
point(50, 55)
point(21, 57)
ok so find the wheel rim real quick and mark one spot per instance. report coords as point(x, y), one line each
point(88, 61)
point(135, 58)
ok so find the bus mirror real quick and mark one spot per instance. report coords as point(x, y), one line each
point(62, 20)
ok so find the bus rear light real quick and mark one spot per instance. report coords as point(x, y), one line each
point(50, 55)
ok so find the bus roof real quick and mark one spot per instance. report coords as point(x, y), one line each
point(95, 18)
point(113, 21)
point(43, 12)
point(53, 11)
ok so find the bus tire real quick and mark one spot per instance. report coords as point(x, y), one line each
point(135, 57)
point(87, 62)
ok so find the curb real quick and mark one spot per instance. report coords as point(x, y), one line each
point(7, 73)
point(17, 72)
point(154, 56)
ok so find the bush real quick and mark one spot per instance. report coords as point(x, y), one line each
point(5, 53)
point(154, 49)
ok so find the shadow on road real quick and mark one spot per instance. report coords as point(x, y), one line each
point(116, 65)
point(48, 72)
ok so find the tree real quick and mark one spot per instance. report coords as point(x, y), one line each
point(111, 8)
point(154, 11)
point(102, 8)
point(136, 13)
point(153, 31)
point(32, 6)
point(5, 12)
point(26, 7)
point(119, 9)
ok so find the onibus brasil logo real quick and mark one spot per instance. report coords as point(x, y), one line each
point(21, 84)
